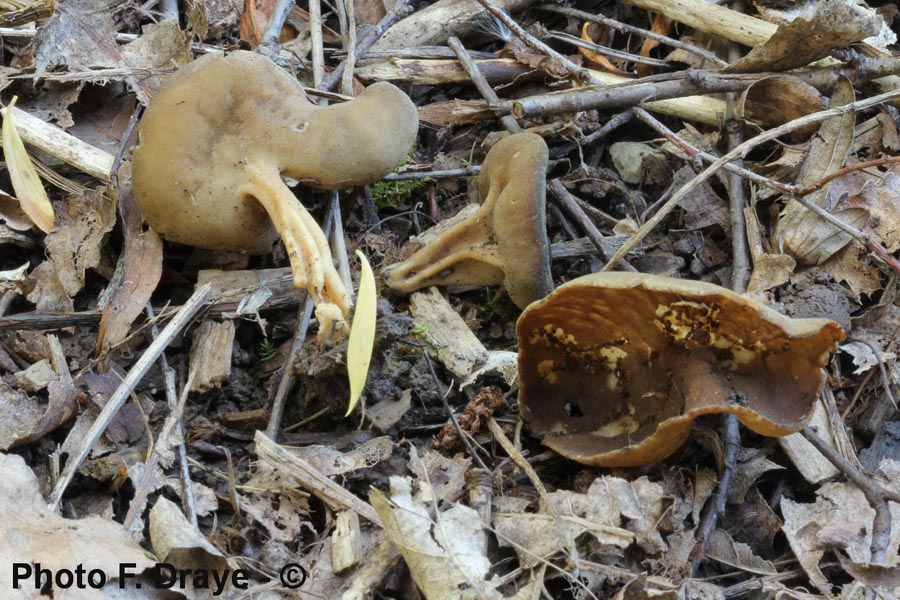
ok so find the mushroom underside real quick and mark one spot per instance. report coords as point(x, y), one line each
point(617, 378)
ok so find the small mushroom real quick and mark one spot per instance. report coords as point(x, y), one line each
point(502, 241)
point(615, 367)
point(220, 134)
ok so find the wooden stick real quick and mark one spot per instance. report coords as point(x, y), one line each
point(137, 372)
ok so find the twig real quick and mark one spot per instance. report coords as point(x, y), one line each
point(190, 504)
point(618, 25)
point(568, 203)
point(173, 421)
point(611, 125)
point(194, 304)
point(401, 9)
point(516, 456)
point(739, 152)
point(315, 35)
point(481, 84)
point(878, 162)
point(269, 44)
point(348, 28)
point(740, 273)
point(339, 244)
point(740, 251)
point(580, 72)
point(304, 317)
point(731, 437)
point(470, 171)
point(447, 409)
point(628, 56)
point(877, 495)
point(333, 494)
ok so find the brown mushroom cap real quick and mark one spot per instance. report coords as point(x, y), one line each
point(615, 367)
point(222, 131)
point(504, 240)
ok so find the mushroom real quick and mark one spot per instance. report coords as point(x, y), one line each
point(615, 367)
point(220, 134)
point(504, 240)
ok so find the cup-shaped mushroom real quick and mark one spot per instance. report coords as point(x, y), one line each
point(615, 367)
point(504, 240)
point(222, 131)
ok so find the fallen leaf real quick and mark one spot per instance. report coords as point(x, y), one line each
point(446, 552)
point(777, 100)
point(800, 232)
point(834, 24)
point(362, 332)
point(31, 534)
point(137, 273)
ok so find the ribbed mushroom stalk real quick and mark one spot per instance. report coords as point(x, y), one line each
point(219, 136)
point(504, 240)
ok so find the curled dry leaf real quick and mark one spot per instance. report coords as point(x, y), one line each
point(615, 367)
point(593, 33)
point(800, 232)
point(777, 100)
point(834, 24)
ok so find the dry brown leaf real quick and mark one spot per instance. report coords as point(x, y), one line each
point(31, 534)
point(661, 25)
point(703, 207)
point(74, 246)
point(594, 33)
point(79, 35)
point(82, 35)
point(834, 24)
point(446, 552)
point(840, 519)
point(12, 215)
point(179, 543)
point(137, 273)
point(47, 290)
point(770, 271)
point(777, 100)
point(800, 232)
point(881, 202)
point(254, 20)
point(273, 499)
point(736, 554)
point(331, 461)
point(851, 266)
point(160, 47)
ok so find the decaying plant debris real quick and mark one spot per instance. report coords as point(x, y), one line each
point(162, 403)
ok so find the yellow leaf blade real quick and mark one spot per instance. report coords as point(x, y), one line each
point(25, 181)
point(362, 333)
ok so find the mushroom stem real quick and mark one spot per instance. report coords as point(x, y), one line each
point(306, 245)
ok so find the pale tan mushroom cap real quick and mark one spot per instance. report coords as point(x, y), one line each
point(217, 115)
point(504, 240)
point(615, 367)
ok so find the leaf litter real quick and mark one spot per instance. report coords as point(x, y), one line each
point(416, 500)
